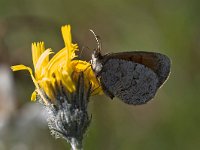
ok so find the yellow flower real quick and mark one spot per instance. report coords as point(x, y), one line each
point(60, 72)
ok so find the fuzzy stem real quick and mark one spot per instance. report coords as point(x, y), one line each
point(75, 144)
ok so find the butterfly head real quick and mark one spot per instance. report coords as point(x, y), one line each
point(96, 60)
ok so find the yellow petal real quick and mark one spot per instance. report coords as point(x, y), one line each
point(57, 60)
point(23, 67)
point(79, 65)
point(46, 85)
point(67, 81)
point(71, 48)
point(66, 33)
point(42, 63)
point(34, 53)
point(37, 50)
point(33, 96)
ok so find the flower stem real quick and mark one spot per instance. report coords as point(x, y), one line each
point(75, 144)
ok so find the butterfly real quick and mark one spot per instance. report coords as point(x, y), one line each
point(134, 77)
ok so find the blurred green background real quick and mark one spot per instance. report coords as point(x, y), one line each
point(170, 121)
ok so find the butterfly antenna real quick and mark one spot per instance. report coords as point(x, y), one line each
point(99, 45)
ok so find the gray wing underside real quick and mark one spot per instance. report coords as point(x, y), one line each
point(157, 62)
point(132, 82)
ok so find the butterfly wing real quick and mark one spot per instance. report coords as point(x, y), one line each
point(132, 82)
point(157, 62)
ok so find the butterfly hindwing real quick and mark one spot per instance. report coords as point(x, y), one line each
point(132, 82)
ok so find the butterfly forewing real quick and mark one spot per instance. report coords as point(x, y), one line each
point(159, 63)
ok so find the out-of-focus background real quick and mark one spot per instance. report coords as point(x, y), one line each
point(170, 121)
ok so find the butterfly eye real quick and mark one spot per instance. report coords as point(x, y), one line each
point(96, 53)
point(91, 61)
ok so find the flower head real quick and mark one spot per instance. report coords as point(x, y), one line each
point(61, 72)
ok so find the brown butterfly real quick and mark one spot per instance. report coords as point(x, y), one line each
point(134, 77)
